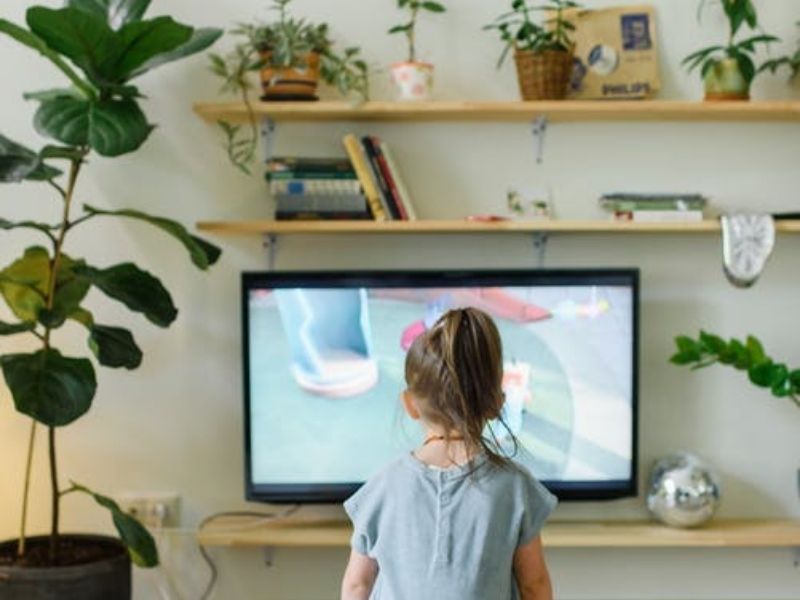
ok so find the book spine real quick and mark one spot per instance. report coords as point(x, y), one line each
point(677, 206)
point(357, 157)
point(330, 165)
point(315, 186)
point(383, 187)
point(351, 203)
point(316, 175)
point(389, 178)
point(323, 216)
point(398, 180)
point(660, 216)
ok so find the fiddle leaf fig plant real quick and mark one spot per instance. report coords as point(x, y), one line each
point(101, 47)
point(749, 356)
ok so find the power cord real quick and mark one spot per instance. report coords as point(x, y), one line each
point(260, 519)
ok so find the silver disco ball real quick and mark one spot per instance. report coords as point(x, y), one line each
point(683, 491)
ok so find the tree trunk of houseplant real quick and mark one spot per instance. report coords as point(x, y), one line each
point(544, 75)
point(724, 81)
point(290, 83)
point(92, 568)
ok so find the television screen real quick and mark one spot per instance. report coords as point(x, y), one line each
point(324, 361)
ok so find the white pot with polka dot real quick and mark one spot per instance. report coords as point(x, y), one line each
point(413, 80)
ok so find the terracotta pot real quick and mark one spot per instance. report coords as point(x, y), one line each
point(105, 579)
point(290, 83)
point(544, 75)
point(413, 80)
point(724, 81)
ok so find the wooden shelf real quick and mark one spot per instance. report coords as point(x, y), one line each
point(555, 111)
point(238, 532)
point(464, 227)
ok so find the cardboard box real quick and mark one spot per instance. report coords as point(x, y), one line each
point(616, 53)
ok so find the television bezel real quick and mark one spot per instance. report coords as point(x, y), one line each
point(334, 493)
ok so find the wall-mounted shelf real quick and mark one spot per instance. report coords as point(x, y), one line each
point(234, 532)
point(558, 111)
point(273, 228)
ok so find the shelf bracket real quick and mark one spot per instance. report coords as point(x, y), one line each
point(269, 556)
point(539, 130)
point(268, 134)
point(540, 240)
point(796, 557)
point(271, 246)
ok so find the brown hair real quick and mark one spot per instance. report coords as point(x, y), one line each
point(455, 372)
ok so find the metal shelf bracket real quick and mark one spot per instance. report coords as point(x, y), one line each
point(268, 135)
point(269, 556)
point(540, 240)
point(539, 130)
point(271, 246)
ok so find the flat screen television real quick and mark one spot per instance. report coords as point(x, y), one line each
point(323, 371)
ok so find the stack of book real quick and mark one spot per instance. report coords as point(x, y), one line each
point(316, 188)
point(380, 179)
point(655, 208)
point(366, 185)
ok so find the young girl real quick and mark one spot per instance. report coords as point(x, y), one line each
point(456, 519)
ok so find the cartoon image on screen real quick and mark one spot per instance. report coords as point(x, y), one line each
point(327, 367)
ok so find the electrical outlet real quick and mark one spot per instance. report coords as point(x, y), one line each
point(154, 510)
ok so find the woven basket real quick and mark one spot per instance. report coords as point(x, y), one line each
point(543, 75)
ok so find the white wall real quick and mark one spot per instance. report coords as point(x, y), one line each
point(176, 423)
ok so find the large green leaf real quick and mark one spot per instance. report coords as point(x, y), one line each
point(141, 545)
point(201, 39)
point(26, 38)
point(52, 389)
point(203, 254)
point(24, 283)
point(114, 12)
point(15, 328)
point(114, 347)
point(111, 127)
point(64, 118)
point(136, 289)
point(117, 127)
point(18, 162)
point(85, 39)
point(140, 41)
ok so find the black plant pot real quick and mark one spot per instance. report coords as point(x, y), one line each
point(106, 579)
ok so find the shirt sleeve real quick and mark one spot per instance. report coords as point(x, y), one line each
point(537, 504)
point(363, 508)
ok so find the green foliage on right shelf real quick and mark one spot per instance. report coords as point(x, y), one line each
point(749, 356)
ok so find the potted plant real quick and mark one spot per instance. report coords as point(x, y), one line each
point(728, 71)
point(101, 47)
point(413, 79)
point(291, 55)
point(748, 356)
point(543, 51)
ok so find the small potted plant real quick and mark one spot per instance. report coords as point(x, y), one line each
point(748, 356)
point(98, 114)
point(543, 51)
point(291, 55)
point(413, 79)
point(728, 70)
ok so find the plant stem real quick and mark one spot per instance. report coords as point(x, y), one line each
point(56, 497)
point(25, 489)
point(412, 35)
point(55, 265)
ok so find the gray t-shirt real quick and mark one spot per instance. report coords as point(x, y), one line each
point(448, 534)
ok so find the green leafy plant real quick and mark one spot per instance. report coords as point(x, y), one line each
point(101, 46)
point(520, 31)
point(739, 13)
point(749, 356)
point(413, 8)
point(792, 61)
point(286, 43)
